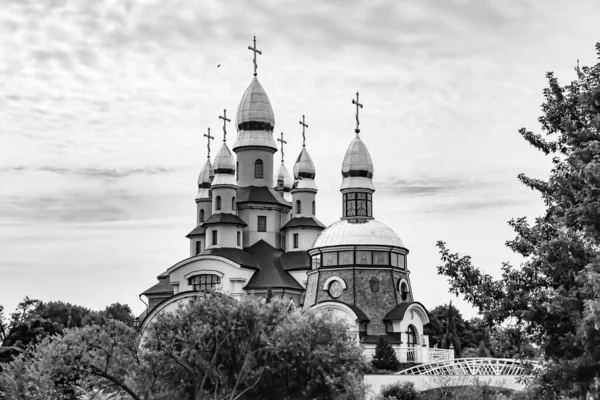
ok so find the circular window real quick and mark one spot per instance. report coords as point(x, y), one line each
point(335, 289)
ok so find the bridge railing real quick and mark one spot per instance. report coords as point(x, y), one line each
point(416, 354)
point(472, 366)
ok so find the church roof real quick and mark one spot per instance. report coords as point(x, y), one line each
point(371, 232)
point(374, 339)
point(204, 180)
point(283, 180)
point(199, 230)
point(357, 167)
point(397, 313)
point(238, 256)
point(224, 218)
point(362, 317)
point(259, 194)
point(303, 222)
point(295, 260)
point(255, 120)
point(304, 167)
point(271, 273)
point(162, 287)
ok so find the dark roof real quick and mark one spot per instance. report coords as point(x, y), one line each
point(260, 194)
point(398, 312)
point(295, 260)
point(238, 256)
point(224, 218)
point(303, 222)
point(162, 287)
point(374, 339)
point(195, 232)
point(359, 313)
point(271, 273)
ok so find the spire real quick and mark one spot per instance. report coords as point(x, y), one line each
point(357, 130)
point(255, 50)
point(204, 180)
point(357, 168)
point(303, 131)
point(208, 139)
point(282, 143)
point(225, 121)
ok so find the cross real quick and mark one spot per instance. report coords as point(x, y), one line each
point(208, 141)
point(225, 121)
point(282, 143)
point(303, 132)
point(357, 105)
point(255, 50)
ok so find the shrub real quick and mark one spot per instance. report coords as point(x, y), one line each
point(385, 356)
point(399, 391)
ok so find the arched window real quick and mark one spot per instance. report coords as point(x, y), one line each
point(298, 206)
point(233, 203)
point(412, 336)
point(239, 240)
point(314, 208)
point(404, 291)
point(258, 169)
point(204, 282)
point(201, 215)
point(296, 240)
point(214, 237)
point(237, 169)
point(218, 203)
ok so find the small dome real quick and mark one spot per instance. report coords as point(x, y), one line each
point(254, 111)
point(283, 178)
point(206, 176)
point(357, 168)
point(371, 232)
point(224, 161)
point(304, 167)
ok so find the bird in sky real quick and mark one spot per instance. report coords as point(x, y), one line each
point(218, 65)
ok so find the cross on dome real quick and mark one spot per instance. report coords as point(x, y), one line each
point(225, 121)
point(255, 50)
point(208, 138)
point(357, 130)
point(282, 143)
point(303, 131)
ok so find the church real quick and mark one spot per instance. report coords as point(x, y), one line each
point(257, 230)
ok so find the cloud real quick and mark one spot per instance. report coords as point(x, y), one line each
point(92, 172)
point(428, 186)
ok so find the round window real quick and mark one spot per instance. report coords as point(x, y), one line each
point(335, 289)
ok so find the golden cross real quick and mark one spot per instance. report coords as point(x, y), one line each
point(208, 137)
point(255, 50)
point(282, 143)
point(303, 132)
point(225, 121)
point(357, 105)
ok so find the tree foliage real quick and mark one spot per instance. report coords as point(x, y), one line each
point(385, 356)
point(214, 347)
point(450, 338)
point(553, 299)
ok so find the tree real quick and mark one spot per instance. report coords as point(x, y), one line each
point(451, 336)
point(553, 299)
point(214, 347)
point(385, 356)
point(120, 312)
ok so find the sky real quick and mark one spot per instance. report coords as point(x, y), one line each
point(103, 107)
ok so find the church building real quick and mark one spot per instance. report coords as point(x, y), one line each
point(257, 230)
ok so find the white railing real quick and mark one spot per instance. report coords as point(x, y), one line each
point(417, 354)
point(473, 366)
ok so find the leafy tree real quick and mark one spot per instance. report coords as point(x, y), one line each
point(451, 336)
point(481, 351)
point(3, 324)
point(553, 299)
point(385, 356)
point(120, 312)
point(399, 391)
point(470, 332)
point(214, 347)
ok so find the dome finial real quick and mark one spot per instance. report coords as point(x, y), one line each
point(225, 121)
point(208, 138)
point(282, 143)
point(357, 130)
point(255, 50)
point(303, 131)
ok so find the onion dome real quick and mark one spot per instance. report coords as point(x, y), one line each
point(304, 172)
point(206, 176)
point(357, 168)
point(255, 119)
point(284, 179)
point(224, 167)
point(371, 232)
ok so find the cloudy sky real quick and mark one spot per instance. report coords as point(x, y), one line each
point(103, 105)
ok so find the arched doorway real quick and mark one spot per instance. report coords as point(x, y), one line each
point(412, 342)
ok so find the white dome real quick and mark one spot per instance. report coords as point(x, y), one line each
point(371, 232)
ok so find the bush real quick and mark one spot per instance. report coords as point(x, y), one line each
point(399, 391)
point(385, 356)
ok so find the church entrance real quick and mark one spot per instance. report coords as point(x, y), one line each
point(412, 343)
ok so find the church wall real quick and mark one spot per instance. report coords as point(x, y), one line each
point(300, 277)
point(311, 290)
point(306, 199)
point(375, 303)
point(347, 295)
point(397, 277)
point(226, 236)
point(246, 160)
point(226, 194)
point(199, 238)
point(206, 205)
point(272, 234)
point(232, 280)
point(306, 238)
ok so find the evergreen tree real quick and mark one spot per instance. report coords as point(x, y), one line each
point(451, 336)
point(385, 356)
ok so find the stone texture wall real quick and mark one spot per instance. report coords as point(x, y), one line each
point(348, 294)
point(375, 303)
point(397, 277)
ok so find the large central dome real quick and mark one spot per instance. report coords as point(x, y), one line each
point(371, 232)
